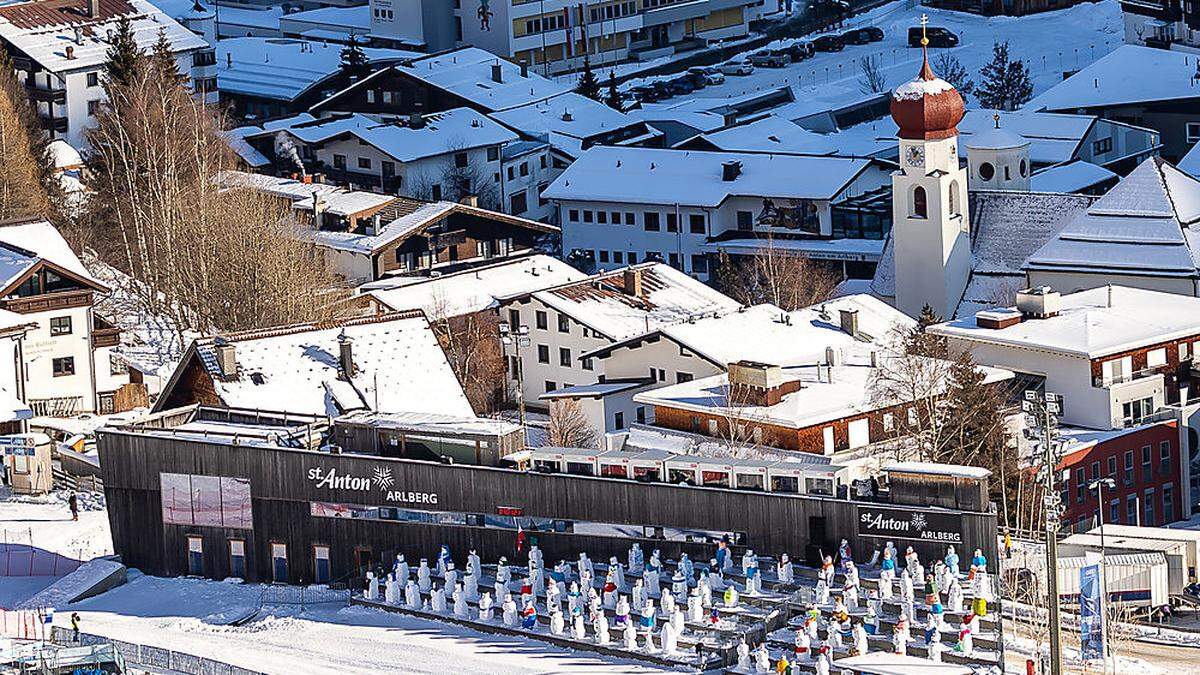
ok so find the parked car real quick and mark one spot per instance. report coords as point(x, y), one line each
point(800, 51)
point(739, 67)
point(681, 85)
point(664, 89)
point(699, 80)
point(711, 74)
point(647, 94)
point(771, 58)
point(938, 37)
point(862, 36)
point(829, 43)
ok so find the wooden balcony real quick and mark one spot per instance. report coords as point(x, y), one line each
point(48, 302)
point(57, 96)
point(104, 334)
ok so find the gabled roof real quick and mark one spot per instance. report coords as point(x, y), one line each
point(472, 290)
point(1190, 164)
point(1074, 176)
point(467, 73)
point(564, 120)
point(694, 178)
point(1146, 225)
point(769, 133)
point(399, 367)
point(28, 246)
point(44, 29)
point(604, 304)
point(442, 133)
point(1129, 74)
point(282, 68)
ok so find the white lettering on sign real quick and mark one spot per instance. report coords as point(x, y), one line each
point(380, 479)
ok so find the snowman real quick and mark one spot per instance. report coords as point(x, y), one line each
point(822, 592)
point(618, 573)
point(784, 571)
point(850, 595)
point(391, 591)
point(668, 639)
point(706, 591)
point(536, 557)
point(557, 625)
point(585, 565)
point(688, 567)
point(679, 586)
point(475, 564)
point(861, 644)
point(677, 621)
point(610, 588)
point(651, 582)
point(529, 617)
point(966, 642)
point(471, 585)
point(695, 605)
point(503, 571)
point(450, 575)
point(630, 636)
point(485, 607)
point(716, 580)
point(951, 562)
point(621, 612)
point(749, 560)
point(668, 604)
point(412, 595)
point(762, 659)
point(400, 569)
point(743, 655)
point(437, 600)
point(372, 586)
point(423, 576)
point(578, 630)
point(639, 595)
point(442, 559)
point(600, 627)
point(731, 597)
point(509, 611)
point(636, 559)
point(460, 603)
point(955, 603)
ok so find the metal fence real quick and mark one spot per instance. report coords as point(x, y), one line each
point(154, 657)
point(304, 596)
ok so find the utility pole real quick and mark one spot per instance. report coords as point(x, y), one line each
point(1098, 485)
point(517, 337)
point(1043, 410)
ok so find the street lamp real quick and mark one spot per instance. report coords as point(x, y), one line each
point(1098, 485)
point(517, 337)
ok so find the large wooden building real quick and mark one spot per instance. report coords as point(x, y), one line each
point(217, 492)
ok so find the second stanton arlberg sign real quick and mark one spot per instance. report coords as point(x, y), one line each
point(875, 521)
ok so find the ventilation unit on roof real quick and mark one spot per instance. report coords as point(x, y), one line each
point(497, 73)
point(1039, 303)
point(849, 321)
point(730, 171)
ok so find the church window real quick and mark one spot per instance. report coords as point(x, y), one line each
point(986, 171)
point(920, 206)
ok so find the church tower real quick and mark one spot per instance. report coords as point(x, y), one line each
point(931, 236)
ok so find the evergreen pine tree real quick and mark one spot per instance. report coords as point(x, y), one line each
point(921, 343)
point(613, 97)
point(589, 85)
point(1005, 84)
point(354, 60)
point(949, 69)
point(163, 60)
point(124, 56)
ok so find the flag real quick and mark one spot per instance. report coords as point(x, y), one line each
point(520, 538)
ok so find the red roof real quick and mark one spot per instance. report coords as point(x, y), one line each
point(46, 13)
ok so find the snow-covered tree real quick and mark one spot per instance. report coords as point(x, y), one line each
point(354, 59)
point(1004, 83)
point(123, 52)
point(589, 85)
point(613, 97)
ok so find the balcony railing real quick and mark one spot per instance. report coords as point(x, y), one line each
point(1160, 415)
point(61, 406)
point(1102, 383)
point(57, 96)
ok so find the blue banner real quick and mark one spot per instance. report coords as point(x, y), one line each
point(1091, 618)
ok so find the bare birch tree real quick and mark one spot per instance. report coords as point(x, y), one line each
point(211, 258)
point(472, 345)
point(872, 80)
point(784, 279)
point(569, 426)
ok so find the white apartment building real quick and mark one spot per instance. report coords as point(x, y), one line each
point(59, 48)
point(1117, 355)
point(570, 320)
point(67, 361)
point(558, 34)
point(622, 205)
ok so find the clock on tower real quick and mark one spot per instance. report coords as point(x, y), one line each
point(914, 156)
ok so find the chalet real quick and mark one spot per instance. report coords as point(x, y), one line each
point(388, 363)
point(367, 236)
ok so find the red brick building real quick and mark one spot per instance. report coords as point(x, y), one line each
point(1144, 462)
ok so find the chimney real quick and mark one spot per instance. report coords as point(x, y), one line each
point(524, 69)
point(78, 36)
point(93, 8)
point(1110, 296)
point(497, 73)
point(318, 207)
point(566, 116)
point(633, 281)
point(730, 171)
point(70, 52)
point(345, 355)
point(874, 359)
point(470, 200)
point(849, 318)
point(226, 358)
point(416, 120)
point(759, 384)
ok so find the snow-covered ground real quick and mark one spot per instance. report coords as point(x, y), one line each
point(1050, 43)
point(190, 615)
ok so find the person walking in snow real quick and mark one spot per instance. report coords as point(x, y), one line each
point(73, 504)
point(75, 627)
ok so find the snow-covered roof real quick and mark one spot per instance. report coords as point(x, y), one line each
point(767, 334)
point(467, 72)
point(45, 29)
point(688, 177)
point(473, 290)
point(596, 389)
point(282, 68)
point(356, 20)
point(24, 245)
point(442, 132)
point(995, 139)
point(1146, 225)
point(604, 304)
point(565, 116)
point(1089, 326)
point(1128, 74)
point(1190, 164)
point(424, 422)
point(938, 469)
point(771, 134)
point(824, 394)
point(263, 17)
point(1073, 176)
point(398, 367)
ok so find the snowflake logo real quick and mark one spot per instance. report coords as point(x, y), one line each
point(383, 478)
point(918, 521)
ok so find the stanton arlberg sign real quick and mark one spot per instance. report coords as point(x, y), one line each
point(874, 521)
point(380, 480)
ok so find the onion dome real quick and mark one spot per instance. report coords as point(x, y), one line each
point(927, 108)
